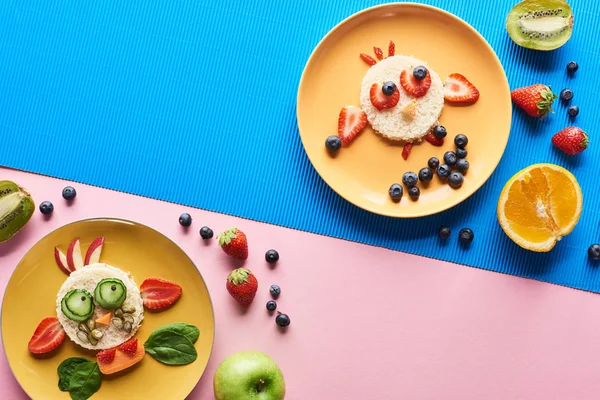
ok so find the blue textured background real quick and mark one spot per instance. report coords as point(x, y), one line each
point(194, 102)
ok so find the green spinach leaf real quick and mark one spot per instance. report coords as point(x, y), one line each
point(65, 370)
point(180, 328)
point(85, 381)
point(171, 344)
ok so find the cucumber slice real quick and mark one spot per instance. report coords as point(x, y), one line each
point(77, 305)
point(110, 293)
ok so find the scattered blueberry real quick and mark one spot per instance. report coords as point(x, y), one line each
point(46, 208)
point(572, 67)
point(271, 305)
point(396, 192)
point(409, 179)
point(573, 111)
point(444, 171)
point(206, 233)
point(69, 193)
point(462, 165)
point(461, 153)
point(414, 192)
point(444, 232)
point(333, 143)
point(185, 219)
point(461, 141)
point(466, 236)
point(282, 320)
point(425, 175)
point(275, 291)
point(439, 132)
point(433, 163)
point(594, 252)
point(420, 72)
point(388, 88)
point(566, 94)
point(272, 256)
point(450, 158)
point(455, 180)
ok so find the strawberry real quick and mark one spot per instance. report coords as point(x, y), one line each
point(351, 122)
point(48, 335)
point(458, 89)
point(368, 59)
point(415, 87)
point(391, 49)
point(433, 140)
point(378, 53)
point(234, 243)
point(380, 100)
point(242, 286)
point(158, 293)
point(406, 150)
point(129, 347)
point(571, 140)
point(536, 100)
point(106, 356)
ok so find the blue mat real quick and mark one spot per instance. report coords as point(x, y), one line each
point(166, 99)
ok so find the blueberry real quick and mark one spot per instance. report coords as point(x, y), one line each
point(271, 305)
point(409, 179)
point(333, 143)
point(572, 67)
point(450, 158)
point(461, 141)
point(461, 153)
point(275, 291)
point(388, 88)
point(425, 175)
point(414, 192)
point(443, 171)
point(396, 192)
point(444, 232)
point(439, 132)
point(573, 111)
point(466, 236)
point(282, 320)
point(185, 219)
point(455, 180)
point(206, 233)
point(46, 208)
point(433, 163)
point(69, 193)
point(566, 94)
point(462, 165)
point(272, 256)
point(420, 72)
point(594, 252)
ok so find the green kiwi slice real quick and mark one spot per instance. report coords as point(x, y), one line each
point(540, 24)
point(16, 208)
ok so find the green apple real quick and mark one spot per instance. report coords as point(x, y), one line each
point(249, 375)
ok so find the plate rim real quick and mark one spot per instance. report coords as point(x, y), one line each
point(455, 18)
point(118, 220)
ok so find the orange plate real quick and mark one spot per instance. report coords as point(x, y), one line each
point(363, 172)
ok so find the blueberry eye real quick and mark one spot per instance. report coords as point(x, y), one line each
point(388, 88)
point(420, 72)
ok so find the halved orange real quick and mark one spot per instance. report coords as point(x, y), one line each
point(539, 205)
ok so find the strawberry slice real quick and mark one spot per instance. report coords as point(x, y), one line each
point(368, 59)
point(433, 140)
point(158, 293)
point(106, 356)
point(458, 89)
point(378, 53)
point(406, 150)
point(391, 49)
point(129, 347)
point(47, 336)
point(415, 87)
point(380, 100)
point(351, 122)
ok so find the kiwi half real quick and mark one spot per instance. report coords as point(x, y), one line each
point(540, 24)
point(16, 208)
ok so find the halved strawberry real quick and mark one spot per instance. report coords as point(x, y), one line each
point(458, 89)
point(129, 347)
point(415, 87)
point(368, 59)
point(380, 100)
point(406, 150)
point(351, 122)
point(378, 53)
point(433, 140)
point(48, 335)
point(391, 49)
point(106, 356)
point(158, 293)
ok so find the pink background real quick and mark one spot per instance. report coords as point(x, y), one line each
point(367, 323)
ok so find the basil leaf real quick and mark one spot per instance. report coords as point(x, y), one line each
point(85, 381)
point(65, 370)
point(189, 331)
point(170, 348)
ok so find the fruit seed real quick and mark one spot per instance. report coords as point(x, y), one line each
point(82, 336)
point(128, 309)
point(118, 323)
point(92, 339)
point(91, 324)
point(127, 326)
point(128, 318)
point(119, 313)
point(83, 327)
point(97, 334)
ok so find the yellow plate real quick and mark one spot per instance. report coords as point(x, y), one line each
point(31, 296)
point(363, 172)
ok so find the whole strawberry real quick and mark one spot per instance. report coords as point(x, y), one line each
point(535, 100)
point(571, 140)
point(234, 242)
point(242, 286)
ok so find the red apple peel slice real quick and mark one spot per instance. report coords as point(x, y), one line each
point(74, 257)
point(93, 252)
point(61, 261)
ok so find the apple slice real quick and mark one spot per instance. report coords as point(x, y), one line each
point(93, 252)
point(61, 260)
point(74, 257)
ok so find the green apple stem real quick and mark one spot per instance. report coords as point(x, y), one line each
point(261, 385)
